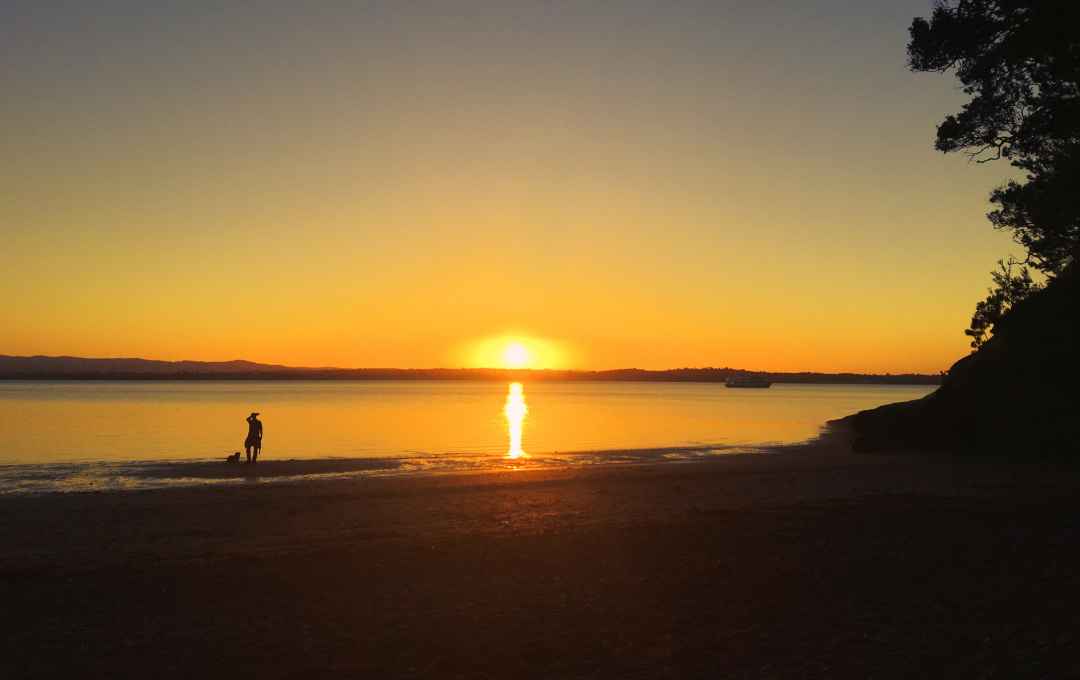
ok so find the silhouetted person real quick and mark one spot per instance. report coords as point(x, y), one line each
point(253, 443)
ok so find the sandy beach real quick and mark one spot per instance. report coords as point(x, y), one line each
point(808, 561)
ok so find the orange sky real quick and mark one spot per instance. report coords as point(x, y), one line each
point(643, 186)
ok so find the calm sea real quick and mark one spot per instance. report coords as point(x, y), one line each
point(91, 435)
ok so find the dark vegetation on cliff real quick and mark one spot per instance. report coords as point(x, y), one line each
point(1017, 394)
point(1019, 61)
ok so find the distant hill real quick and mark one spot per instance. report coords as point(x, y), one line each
point(77, 368)
point(11, 366)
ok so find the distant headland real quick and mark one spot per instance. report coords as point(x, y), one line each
point(78, 368)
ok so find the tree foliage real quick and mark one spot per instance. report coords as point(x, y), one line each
point(1019, 60)
point(1012, 283)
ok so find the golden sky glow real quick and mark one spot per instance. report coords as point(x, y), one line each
point(408, 185)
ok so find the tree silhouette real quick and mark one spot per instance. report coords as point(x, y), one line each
point(1010, 287)
point(1019, 60)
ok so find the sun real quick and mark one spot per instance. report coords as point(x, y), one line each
point(516, 355)
point(515, 351)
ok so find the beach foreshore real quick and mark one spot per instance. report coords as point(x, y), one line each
point(808, 561)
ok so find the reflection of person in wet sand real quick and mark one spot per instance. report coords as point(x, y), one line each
point(253, 443)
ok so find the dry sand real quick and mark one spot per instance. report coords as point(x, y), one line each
point(805, 562)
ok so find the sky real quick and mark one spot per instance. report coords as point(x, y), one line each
point(648, 184)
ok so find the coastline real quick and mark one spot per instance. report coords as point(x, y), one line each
point(108, 476)
point(104, 476)
point(136, 369)
point(742, 565)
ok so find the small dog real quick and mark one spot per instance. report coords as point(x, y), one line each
point(235, 458)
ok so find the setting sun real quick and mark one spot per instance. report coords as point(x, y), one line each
point(516, 356)
point(516, 351)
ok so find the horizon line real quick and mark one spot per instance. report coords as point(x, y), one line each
point(287, 367)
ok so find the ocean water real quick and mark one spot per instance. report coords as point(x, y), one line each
point(93, 435)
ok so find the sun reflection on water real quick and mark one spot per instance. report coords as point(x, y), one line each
point(515, 410)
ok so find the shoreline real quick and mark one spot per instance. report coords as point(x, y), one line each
point(134, 369)
point(739, 566)
point(107, 476)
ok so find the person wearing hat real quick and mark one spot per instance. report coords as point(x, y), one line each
point(253, 443)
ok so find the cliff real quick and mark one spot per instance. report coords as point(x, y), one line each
point(1017, 394)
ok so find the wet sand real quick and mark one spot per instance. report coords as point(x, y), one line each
point(804, 562)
